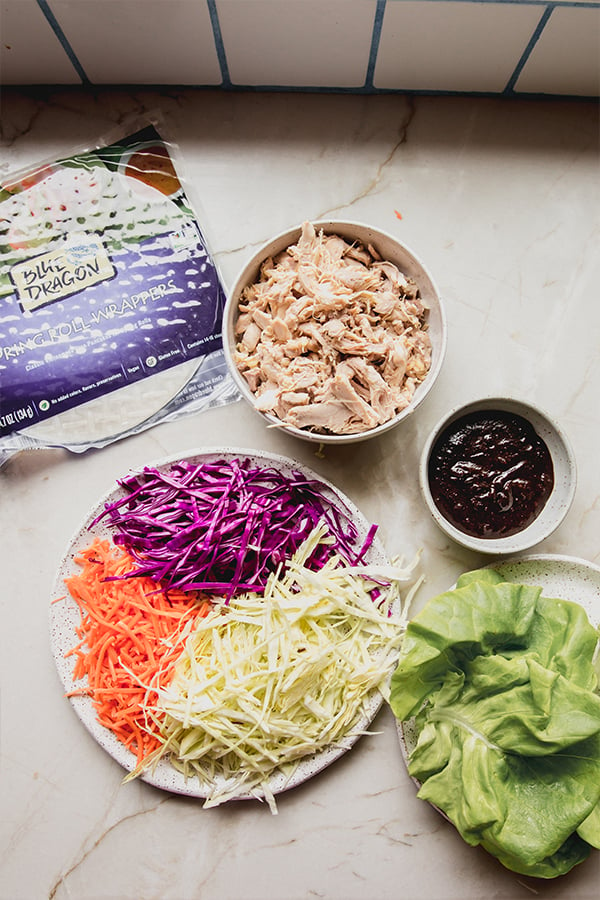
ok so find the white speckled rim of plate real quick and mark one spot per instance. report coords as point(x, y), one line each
point(560, 577)
point(389, 248)
point(64, 618)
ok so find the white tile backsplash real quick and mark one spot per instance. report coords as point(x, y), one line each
point(302, 43)
point(566, 57)
point(505, 47)
point(29, 50)
point(452, 46)
point(141, 41)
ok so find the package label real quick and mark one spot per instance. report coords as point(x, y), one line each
point(81, 262)
point(105, 280)
point(119, 330)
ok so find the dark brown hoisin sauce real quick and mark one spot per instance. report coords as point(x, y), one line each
point(490, 474)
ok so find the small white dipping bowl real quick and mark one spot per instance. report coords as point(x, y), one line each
point(557, 504)
point(389, 249)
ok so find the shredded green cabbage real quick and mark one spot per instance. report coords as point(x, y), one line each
point(268, 679)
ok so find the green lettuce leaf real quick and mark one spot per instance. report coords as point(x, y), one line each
point(454, 627)
point(589, 829)
point(501, 683)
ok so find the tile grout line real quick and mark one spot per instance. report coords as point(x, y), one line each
point(60, 35)
point(510, 85)
point(375, 39)
point(219, 45)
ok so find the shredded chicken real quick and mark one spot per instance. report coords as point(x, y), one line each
point(331, 338)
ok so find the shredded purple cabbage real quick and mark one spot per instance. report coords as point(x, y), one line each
point(225, 526)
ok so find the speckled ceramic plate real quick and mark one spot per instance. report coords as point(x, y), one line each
point(64, 618)
point(560, 577)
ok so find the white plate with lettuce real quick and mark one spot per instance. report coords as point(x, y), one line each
point(496, 697)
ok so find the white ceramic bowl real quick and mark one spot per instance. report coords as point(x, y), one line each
point(556, 506)
point(389, 249)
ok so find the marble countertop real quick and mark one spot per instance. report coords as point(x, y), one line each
point(501, 200)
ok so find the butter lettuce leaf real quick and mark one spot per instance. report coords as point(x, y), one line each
point(589, 829)
point(501, 684)
point(458, 625)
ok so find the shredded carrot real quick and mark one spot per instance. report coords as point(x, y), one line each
point(130, 636)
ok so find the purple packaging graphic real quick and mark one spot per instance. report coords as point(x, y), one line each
point(110, 302)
